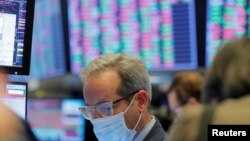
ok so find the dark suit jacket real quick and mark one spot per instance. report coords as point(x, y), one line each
point(157, 133)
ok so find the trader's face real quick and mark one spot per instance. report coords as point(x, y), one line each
point(103, 87)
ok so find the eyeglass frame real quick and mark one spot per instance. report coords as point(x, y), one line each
point(112, 103)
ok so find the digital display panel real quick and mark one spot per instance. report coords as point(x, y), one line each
point(56, 119)
point(226, 20)
point(160, 32)
point(16, 20)
point(15, 98)
point(48, 48)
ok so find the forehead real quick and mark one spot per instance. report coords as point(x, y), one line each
point(101, 87)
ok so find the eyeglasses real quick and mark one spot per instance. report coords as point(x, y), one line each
point(105, 109)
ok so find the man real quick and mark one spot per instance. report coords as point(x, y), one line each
point(227, 88)
point(185, 89)
point(12, 128)
point(117, 93)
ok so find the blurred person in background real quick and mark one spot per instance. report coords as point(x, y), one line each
point(227, 88)
point(186, 88)
point(12, 128)
point(117, 93)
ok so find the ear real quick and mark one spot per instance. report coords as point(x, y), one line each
point(142, 100)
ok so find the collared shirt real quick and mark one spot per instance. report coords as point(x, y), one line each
point(145, 130)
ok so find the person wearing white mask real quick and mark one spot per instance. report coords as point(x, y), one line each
point(117, 93)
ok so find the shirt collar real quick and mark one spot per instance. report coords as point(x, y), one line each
point(145, 130)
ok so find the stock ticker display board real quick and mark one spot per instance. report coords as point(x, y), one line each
point(160, 32)
point(226, 20)
point(48, 46)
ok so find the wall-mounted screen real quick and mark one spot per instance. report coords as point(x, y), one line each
point(16, 21)
point(48, 48)
point(160, 32)
point(226, 20)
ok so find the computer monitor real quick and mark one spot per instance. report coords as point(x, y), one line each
point(226, 20)
point(48, 57)
point(161, 33)
point(15, 97)
point(56, 119)
point(16, 21)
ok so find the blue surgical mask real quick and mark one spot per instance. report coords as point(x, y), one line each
point(114, 128)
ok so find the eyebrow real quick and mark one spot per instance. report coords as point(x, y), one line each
point(98, 103)
point(117, 100)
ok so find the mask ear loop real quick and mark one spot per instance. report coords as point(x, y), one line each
point(140, 114)
point(138, 121)
point(129, 105)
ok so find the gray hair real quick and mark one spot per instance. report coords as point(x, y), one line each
point(133, 72)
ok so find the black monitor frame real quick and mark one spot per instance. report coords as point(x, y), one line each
point(25, 69)
point(201, 7)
